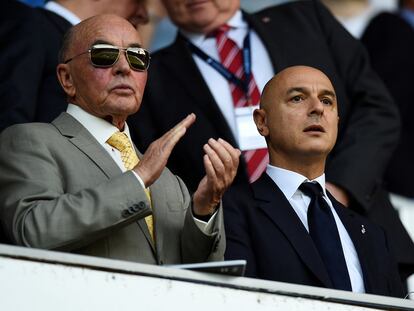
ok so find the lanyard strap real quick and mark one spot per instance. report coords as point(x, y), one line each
point(228, 75)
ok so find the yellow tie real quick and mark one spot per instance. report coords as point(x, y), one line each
point(121, 142)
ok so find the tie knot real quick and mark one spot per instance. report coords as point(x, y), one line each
point(119, 141)
point(311, 189)
point(216, 33)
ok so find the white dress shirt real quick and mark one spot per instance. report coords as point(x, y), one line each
point(102, 130)
point(63, 12)
point(289, 182)
point(262, 67)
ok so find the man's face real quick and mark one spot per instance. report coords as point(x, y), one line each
point(299, 116)
point(135, 11)
point(201, 16)
point(111, 93)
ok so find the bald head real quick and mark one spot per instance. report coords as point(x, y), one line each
point(111, 91)
point(88, 30)
point(289, 80)
point(298, 117)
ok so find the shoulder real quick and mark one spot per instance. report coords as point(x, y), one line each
point(387, 26)
point(304, 6)
point(28, 135)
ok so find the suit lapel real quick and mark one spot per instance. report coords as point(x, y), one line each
point(159, 209)
point(357, 231)
point(275, 205)
point(179, 60)
point(86, 143)
point(273, 43)
point(142, 223)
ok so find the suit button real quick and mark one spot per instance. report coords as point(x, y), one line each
point(125, 213)
point(141, 205)
point(135, 207)
point(131, 210)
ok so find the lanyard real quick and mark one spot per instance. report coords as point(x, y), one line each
point(228, 75)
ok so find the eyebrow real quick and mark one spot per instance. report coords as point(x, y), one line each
point(100, 41)
point(306, 90)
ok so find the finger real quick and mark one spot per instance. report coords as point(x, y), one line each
point(210, 172)
point(185, 123)
point(215, 160)
point(220, 150)
point(171, 138)
point(234, 152)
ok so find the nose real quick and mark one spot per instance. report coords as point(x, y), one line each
point(121, 67)
point(316, 107)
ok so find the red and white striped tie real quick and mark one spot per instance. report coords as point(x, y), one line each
point(231, 58)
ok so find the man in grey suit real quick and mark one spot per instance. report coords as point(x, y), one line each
point(66, 186)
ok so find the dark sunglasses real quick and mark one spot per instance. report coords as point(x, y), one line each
point(106, 55)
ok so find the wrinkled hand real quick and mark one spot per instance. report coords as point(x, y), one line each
point(155, 158)
point(338, 193)
point(220, 161)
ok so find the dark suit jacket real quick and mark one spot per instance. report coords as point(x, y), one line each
point(263, 228)
point(390, 43)
point(59, 189)
point(299, 33)
point(29, 89)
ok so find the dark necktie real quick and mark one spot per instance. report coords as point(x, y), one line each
point(231, 57)
point(324, 233)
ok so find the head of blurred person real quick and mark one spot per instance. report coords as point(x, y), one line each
point(95, 72)
point(407, 4)
point(299, 119)
point(134, 11)
point(200, 16)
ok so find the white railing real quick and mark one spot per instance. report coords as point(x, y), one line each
point(32, 279)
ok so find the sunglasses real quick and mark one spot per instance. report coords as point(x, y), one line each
point(106, 55)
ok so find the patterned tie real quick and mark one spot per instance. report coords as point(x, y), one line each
point(324, 233)
point(121, 142)
point(231, 57)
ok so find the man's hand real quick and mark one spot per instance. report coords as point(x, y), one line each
point(220, 161)
point(155, 158)
point(339, 194)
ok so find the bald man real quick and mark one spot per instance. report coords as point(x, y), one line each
point(77, 184)
point(287, 225)
point(31, 37)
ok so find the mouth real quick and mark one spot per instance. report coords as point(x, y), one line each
point(123, 88)
point(195, 3)
point(314, 128)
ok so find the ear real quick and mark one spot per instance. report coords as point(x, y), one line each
point(65, 78)
point(259, 116)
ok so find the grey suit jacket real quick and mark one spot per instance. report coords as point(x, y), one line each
point(60, 189)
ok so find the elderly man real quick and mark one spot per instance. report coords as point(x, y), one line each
point(77, 184)
point(291, 229)
point(31, 37)
point(218, 65)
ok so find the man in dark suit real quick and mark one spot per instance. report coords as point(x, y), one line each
point(29, 89)
point(297, 33)
point(77, 184)
point(285, 231)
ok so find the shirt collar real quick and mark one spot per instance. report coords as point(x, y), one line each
point(100, 129)
point(408, 15)
point(236, 22)
point(289, 181)
point(63, 12)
